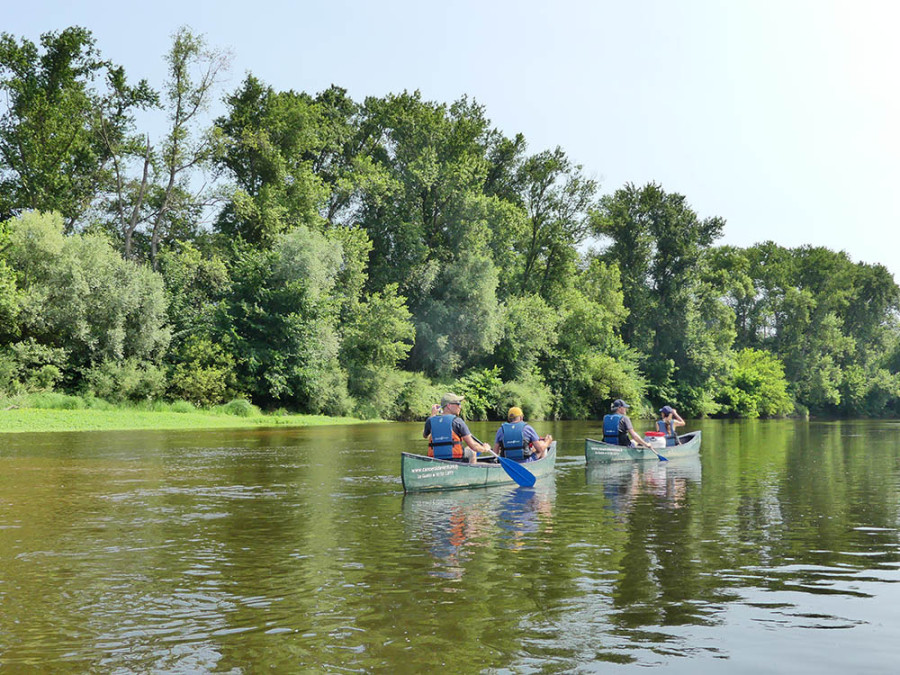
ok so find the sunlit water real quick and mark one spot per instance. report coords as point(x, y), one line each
point(775, 551)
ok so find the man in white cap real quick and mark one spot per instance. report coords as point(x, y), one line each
point(448, 435)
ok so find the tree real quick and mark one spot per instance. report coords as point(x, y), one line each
point(58, 134)
point(755, 386)
point(558, 200)
point(528, 335)
point(460, 324)
point(432, 159)
point(9, 300)
point(77, 293)
point(279, 321)
point(270, 139)
point(675, 319)
point(195, 71)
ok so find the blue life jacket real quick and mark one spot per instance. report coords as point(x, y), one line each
point(671, 438)
point(513, 441)
point(611, 433)
point(445, 444)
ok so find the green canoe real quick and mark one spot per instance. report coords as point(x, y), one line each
point(598, 451)
point(427, 473)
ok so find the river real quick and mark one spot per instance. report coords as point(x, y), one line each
point(295, 550)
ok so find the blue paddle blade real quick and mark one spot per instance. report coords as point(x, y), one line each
point(517, 472)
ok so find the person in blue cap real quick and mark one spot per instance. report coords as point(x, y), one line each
point(668, 421)
point(618, 429)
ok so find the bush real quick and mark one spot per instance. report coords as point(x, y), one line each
point(53, 401)
point(414, 397)
point(9, 372)
point(481, 389)
point(130, 380)
point(534, 398)
point(585, 386)
point(29, 366)
point(205, 375)
point(377, 391)
point(755, 386)
point(327, 393)
point(182, 407)
point(239, 407)
point(91, 402)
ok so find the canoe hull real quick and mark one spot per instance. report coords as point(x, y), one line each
point(421, 473)
point(600, 452)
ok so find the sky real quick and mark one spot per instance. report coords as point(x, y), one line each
point(779, 116)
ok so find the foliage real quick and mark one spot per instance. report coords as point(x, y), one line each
point(675, 317)
point(280, 323)
point(363, 255)
point(532, 396)
point(28, 366)
point(414, 397)
point(755, 387)
point(240, 407)
point(529, 333)
point(125, 380)
point(481, 388)
point(78, 294)
point(57, 131)
point(461, 323)
point(204, 374)
point(9, 301)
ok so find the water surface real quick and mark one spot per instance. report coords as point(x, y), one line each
point(776, 550)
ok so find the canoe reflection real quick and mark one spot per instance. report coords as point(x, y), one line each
point(454, 524)
point(623, 481)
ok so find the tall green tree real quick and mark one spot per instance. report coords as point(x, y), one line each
point(559, 200)
point(67, 110)
point(675, 319)
point(279, 322)
point(195, 70)
point(270, 139)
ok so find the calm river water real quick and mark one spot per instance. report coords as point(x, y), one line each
point(776, 551)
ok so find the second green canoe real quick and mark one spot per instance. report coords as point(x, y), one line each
point(598, 451)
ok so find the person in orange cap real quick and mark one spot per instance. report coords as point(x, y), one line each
point(519, 441)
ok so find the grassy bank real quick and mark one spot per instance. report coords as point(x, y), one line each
point(57, 412)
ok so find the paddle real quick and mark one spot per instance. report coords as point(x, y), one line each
point(514, 470)
point(661, 458)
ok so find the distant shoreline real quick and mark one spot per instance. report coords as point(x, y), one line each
point(41, 420)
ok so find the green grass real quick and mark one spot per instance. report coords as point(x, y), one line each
point(59, 412)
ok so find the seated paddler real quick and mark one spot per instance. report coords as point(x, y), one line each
point(669, 420)
point(618, 429)
point(519, 441)
point(448, 435)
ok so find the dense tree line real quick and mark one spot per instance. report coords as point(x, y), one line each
point(321, 254)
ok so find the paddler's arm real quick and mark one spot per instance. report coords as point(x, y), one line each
point(542, 444)
point(475, 445)
point(637, 439)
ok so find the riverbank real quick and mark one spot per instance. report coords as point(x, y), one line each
point(38, 420)
point(64, 413)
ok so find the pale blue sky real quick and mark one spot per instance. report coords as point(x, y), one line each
point(781, 117)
